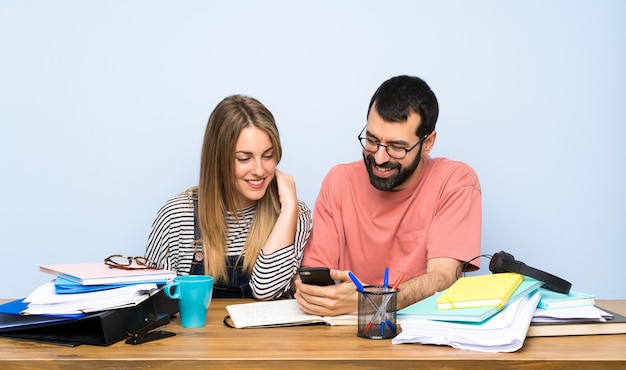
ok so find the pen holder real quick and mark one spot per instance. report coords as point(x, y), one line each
point(377, 312)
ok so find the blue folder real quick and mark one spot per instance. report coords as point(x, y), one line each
point(100, 328)
point(65, 286)
point(10, 317)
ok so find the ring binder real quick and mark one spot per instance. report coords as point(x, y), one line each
point(100, 329)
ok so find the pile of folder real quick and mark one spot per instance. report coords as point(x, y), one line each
point(575, 313)
point(88, 303)
point(91, 287)
point(489, 313)
point(496, 312)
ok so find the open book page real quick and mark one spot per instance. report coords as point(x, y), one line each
point(279, 313)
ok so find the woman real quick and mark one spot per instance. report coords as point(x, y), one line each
point(248, 229)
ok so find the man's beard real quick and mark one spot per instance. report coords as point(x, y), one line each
point(390, 183)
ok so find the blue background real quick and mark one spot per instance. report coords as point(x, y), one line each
point(103, 106)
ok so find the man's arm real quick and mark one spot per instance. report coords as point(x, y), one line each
point(342, 298)
point(440, 274)
point(330, 300)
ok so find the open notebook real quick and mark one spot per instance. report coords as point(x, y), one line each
point(280, 313)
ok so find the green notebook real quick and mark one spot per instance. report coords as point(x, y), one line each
point(426, 309)
point(550, 299)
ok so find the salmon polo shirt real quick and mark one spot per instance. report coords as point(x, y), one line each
point(359, 228)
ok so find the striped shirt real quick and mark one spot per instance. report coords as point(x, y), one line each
point(171, 245)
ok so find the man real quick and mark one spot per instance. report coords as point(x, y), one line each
point(398, 208)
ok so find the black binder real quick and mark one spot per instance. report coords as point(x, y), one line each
point(100, 329)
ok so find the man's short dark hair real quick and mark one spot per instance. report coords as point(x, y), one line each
point(397, 97)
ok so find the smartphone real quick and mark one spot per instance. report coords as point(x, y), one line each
point(316, 276)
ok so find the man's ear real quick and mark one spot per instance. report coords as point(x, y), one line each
point(429, 142)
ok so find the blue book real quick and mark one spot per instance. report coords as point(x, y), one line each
point(65, 286)
point(550, 299)
point(426, 309)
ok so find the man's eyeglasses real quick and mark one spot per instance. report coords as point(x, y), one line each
point(396, 152)
point(129, 263)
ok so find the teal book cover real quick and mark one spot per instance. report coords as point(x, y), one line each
point(426, 309)
point(65, 286)
point(550, 299)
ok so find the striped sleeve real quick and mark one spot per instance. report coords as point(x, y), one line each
point(272, 273)
point(170, 241)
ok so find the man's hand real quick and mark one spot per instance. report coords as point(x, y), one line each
point(331, 300)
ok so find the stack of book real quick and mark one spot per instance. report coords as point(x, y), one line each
point(91, 287)
point(495, 313)
point(575, 313)
point(91, 304)
point(489, 313)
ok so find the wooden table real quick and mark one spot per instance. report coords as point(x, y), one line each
point(318, 347)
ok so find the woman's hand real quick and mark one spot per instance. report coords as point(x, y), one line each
point(284, 230)
point(287, 193)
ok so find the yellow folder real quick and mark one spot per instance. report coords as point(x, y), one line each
point(480, 291)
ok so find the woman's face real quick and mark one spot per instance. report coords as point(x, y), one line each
point(255, 165)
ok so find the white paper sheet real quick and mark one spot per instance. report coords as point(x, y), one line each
point(503, 332)
point(45, 301)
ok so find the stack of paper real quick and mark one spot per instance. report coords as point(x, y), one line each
point(578, 320)
point(575, 313)
point(427, 308)
point(99, 273)
point(503, 332)
point(493, 327)
point(45, 301)
point(92, 287)
point(570, 314)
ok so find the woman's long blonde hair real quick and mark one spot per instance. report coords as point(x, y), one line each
point(217, 186)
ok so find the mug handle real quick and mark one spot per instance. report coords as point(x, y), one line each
point(168, 290)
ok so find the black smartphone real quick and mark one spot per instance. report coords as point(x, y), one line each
point(316, 276)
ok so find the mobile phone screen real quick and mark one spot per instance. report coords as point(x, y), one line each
point(316, 276)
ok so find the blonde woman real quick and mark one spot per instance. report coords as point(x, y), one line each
point(243, 224)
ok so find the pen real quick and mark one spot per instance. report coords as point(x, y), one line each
point(380, 311)
point(359, 287)
point(394, 287)
point(356, 282)
point(386, 279)
point(398, 281)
